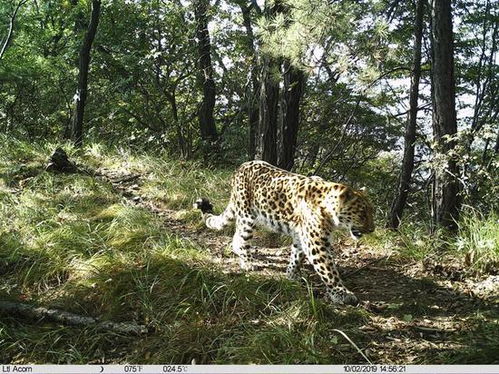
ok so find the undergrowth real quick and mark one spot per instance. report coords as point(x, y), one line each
point(71, 242)
point(478, 240)
point(475, 247)
point(176, 184)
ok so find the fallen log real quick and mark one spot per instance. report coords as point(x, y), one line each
point(66, 318)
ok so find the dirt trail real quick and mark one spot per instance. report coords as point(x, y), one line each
point(415, 315)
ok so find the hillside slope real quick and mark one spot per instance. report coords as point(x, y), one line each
point(120, 242)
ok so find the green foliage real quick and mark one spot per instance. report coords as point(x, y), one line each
point(143, 85)
point(475, 248)
point(70, 241)
point(478, 240)
point(174, 184)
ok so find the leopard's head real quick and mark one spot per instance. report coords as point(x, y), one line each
point(355, 212)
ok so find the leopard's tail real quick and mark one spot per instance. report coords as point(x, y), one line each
point(211, 220)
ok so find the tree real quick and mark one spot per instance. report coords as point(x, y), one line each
point(10, 32)
point(445, 199)
point(207, 127)
point(270, 66)
point(266, 144)
point(253, 85)
point(399, 201)
point(83, 66)
point(477, 41)
point(294, 81)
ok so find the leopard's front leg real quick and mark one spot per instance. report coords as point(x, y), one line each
point(317, 248)
point(295, 260)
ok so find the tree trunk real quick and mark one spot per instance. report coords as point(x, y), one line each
point(446, 204)
point(268, 110)
point(252, 89)
point(294, 81)
point(399, 201)
point(84, 62)
point(268, 107)
point(206, 121)
point(485, 93)
point(172, 99)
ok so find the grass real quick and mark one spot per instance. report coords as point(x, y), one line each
point(479, 344)
point(478, 240)
point(474, 247)
point(71, 242)
point(175, 184)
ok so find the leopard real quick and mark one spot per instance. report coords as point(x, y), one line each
point(309, 209)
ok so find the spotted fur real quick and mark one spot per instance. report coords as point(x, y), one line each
point(306, 208)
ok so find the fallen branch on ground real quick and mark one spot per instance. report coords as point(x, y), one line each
point(353, 345)
point(33, 312)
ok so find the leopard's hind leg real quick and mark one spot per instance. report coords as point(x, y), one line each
point(240, 241)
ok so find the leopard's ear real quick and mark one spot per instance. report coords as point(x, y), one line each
point(363, 190)
point(347, 195)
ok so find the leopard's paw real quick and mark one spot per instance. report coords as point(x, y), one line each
point(343, 297)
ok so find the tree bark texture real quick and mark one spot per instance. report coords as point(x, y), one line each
point(207, 126)
point(446, 205)
point(253, 86)
point(268, 107)
point(83, 65)
point(400, 199)
point(294, 81)
point(268, 111)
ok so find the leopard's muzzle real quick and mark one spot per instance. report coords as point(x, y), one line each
point(356, 234)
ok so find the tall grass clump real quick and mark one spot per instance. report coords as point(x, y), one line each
point(478, 240)
point(410, 242)
point(475, 245)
